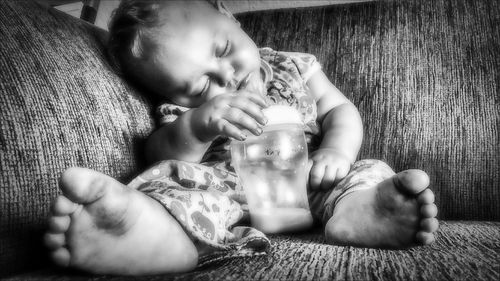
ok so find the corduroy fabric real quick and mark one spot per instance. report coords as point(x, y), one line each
point(464, 250)
point(61, 106)
point(425, 76)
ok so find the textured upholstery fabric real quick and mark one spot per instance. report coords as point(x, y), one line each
point(61, 106)
point(464, 250)
point(424, 74)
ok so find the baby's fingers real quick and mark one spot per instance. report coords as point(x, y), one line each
point(242, 120)
point(250, 108)
point(316, 175)
point(255, 98)
point(342, 172)
point(329, 177)
point(227, 129)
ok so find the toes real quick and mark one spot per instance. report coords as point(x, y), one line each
point(54, 240)
point(426, 197)
point(63, 206)
point(428, 210)
point(59, 224)
point(424, 238)
point(429, 224)
point(82, 185)
point(412, 181)
point(61, 257)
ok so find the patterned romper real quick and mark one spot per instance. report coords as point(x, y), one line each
point(207, 199)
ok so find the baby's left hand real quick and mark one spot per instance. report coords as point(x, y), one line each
point(328, 167)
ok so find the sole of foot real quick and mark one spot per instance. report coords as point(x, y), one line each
point(398, 213)
point(100, 226)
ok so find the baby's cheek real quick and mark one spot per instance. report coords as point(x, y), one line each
point(248, 55)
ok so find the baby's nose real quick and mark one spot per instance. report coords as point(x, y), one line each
point(226, 76)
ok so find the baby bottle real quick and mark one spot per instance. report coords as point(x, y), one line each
point(272, 169)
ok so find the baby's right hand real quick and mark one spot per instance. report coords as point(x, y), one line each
point(228, 115)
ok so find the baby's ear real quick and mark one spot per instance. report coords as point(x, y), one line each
point(219, 5)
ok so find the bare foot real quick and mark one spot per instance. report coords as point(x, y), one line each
point(101, 226)
point(398, 213)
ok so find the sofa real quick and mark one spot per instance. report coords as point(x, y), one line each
point(424, 74)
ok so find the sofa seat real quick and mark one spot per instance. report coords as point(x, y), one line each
point(464, 250)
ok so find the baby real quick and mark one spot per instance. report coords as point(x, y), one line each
point(184, 210)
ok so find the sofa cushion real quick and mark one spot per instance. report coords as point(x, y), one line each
point(464, 250)
point(425, 78)
point(61, 106)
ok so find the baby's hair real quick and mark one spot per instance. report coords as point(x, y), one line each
point(133, 32)
point(129, 31)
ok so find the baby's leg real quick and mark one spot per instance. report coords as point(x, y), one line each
point(373, 207)
point(102, 226)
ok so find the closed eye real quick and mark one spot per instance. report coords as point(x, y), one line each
point(227, 49)
point(205, 88)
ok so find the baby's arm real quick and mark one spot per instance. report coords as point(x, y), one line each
point(176, 140)
point(189, 136)
point(342, 133)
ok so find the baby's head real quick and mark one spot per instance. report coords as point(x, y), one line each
point(185, 51)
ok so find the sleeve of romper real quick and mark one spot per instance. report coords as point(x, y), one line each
point(167, 112)
point(306, 64)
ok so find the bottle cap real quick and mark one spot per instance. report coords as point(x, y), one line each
point(282, 114)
